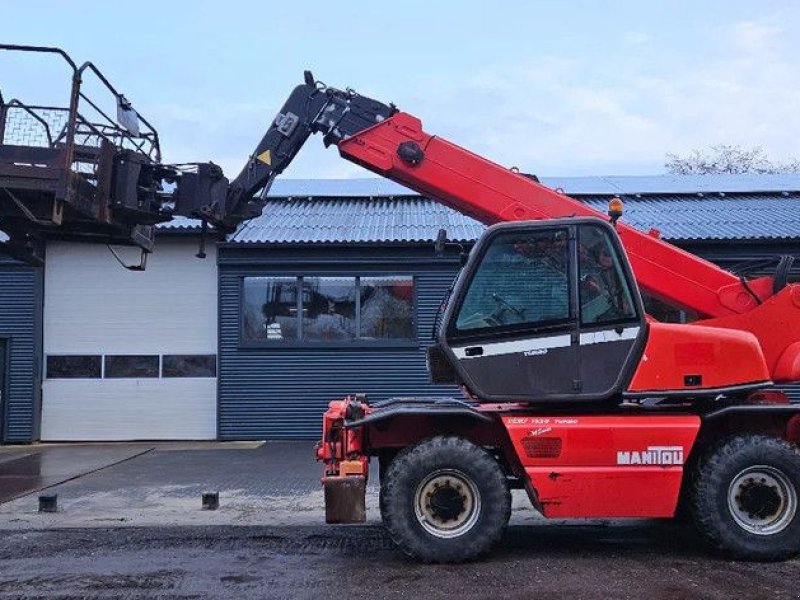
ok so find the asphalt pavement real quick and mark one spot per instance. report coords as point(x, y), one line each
point(644, 561)
point(135, 529)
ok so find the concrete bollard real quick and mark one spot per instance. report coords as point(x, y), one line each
point(48, 503)
point(210, 500)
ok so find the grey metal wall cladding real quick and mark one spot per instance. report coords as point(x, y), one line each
point(282, 392)
point(20, 326)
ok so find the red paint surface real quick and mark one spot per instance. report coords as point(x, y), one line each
point(776, 324)
point(586, 479)
point(721, 357)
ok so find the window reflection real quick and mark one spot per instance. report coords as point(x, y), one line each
point(329, 308)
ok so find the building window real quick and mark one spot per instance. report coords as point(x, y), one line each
point(270, 308)
point(386, 308)
point(131, 366)
point(189, 365)
point(329, 309)
point(332, 310)
point(74, 366)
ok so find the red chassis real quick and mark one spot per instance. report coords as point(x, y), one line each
point(571, 465)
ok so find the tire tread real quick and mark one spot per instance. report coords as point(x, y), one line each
point(712, 520)
point(495, 493)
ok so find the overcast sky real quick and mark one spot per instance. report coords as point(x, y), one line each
point(556, 88)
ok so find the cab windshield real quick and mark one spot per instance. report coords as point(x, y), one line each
point(522, 280)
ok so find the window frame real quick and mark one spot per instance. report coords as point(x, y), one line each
point(301, 329)
point(245, 342)
point(104, 373)
point(413, 340)
point(356, 342)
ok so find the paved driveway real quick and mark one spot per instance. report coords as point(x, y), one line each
point(26, 469)
point(268, 540)
point(272, 482)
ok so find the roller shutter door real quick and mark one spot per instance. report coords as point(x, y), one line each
point(129, 355)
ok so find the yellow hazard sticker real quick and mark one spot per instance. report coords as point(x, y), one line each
point(265, 157)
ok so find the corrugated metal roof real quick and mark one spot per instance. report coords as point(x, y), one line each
point(183, 224)
point(732, 217)
point(355, 220)
point(634, 184)
point(409, 219)
point(674, 184)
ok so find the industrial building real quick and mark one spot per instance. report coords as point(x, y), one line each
point(333, 290)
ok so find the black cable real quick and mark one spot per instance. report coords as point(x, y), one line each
point(749, 289)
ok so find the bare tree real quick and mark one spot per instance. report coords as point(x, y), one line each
point(728, 159)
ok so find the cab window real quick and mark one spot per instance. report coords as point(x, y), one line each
point(605, 296)
point(522, 281)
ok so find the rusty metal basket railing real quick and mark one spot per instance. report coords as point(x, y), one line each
point(77, 169)
point(81, 125)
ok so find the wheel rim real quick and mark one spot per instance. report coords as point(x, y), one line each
point(762, 500)
point(447, 503)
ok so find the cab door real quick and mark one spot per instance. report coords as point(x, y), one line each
point(612, 326)
point(512, 328)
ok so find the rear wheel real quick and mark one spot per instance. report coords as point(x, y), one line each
point(445, 500)
point(745, 497)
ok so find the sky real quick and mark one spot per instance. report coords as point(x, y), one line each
point(555, 88)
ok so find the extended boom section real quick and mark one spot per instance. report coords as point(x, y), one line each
point(767, 308)
point(393, 144)
point(400, 150)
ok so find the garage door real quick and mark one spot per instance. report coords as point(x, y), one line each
point(129, 355)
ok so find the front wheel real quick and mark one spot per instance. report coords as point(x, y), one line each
point(745, 497)
point(445, 500)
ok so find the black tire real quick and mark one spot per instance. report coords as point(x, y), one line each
point(447, 479)
point(383, 465)
point(745, 484)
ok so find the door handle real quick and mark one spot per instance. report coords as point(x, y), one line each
point(474, 351)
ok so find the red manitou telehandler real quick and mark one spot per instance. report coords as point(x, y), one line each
point(570, 391)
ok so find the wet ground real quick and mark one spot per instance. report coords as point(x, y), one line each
point(31, 468)
point(621, 561)
point(135, 529)
point(273, 482)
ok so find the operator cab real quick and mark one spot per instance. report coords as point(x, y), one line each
point(545, 310)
